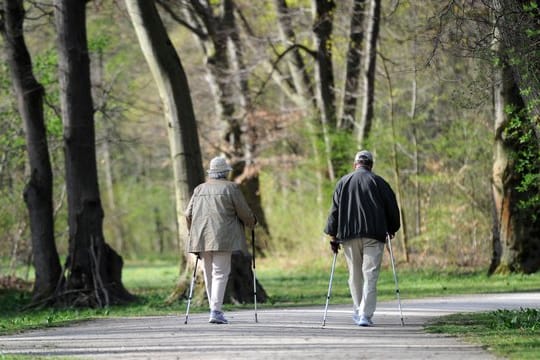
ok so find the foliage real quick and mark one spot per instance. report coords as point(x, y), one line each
point(155, 205)
point(13, 214)
point(520, 133)
point(443, 144)
point(46, 72)
point(525, 320)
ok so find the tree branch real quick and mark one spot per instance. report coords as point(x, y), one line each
point(196, 30)
point(276, 62)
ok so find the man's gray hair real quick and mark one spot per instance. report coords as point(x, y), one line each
point(218, 175)
point(364, 159)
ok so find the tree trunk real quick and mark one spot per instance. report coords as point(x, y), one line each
point(167, 70)
point(94, 269)
point(173, 88)
point(325, 94)
point(516, 236)
point(397, 177)
point(323, 31)
point(38, 192)
point(246, 170)
point(227, 77)
point(241, 274)
point(414, 137)
point(368, 75)
point(347, 119)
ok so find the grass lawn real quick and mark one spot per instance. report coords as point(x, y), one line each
point(512, 334)
point(289, 281)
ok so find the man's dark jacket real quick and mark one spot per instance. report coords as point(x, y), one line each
point(363, 205)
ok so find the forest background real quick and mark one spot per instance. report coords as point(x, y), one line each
point(433, 131)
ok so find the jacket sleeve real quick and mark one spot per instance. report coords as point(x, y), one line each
point(391, 208)
point(189, 210)
point(243, 211)
point(333, 217)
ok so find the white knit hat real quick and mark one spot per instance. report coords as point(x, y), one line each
point(218, 165)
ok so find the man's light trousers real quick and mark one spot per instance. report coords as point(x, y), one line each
point(364, 257)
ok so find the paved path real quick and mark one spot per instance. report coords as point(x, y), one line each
point(294, 333)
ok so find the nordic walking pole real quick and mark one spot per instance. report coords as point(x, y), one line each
point(329, 289)
point(389, 242)
point(191, 288)
point(254, 273)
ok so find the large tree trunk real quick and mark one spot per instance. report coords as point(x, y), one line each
point(395, 163)
point(218, 36)
point(228, 78)
point(174, 91)
point(246, 172)
point(516, 237)
point(325, 94)
point(94, 269)
point(173, 88)
point(368, 74)
point(347, 119)
point(38, 191)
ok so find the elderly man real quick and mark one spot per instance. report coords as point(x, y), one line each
point(364, 212)
point(216, 216)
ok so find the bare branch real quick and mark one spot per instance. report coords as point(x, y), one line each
point(194, 29)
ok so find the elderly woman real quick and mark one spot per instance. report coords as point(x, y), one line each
point(216, 216)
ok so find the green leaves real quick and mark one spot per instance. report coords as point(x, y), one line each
point(526, 157)
point(523, 319)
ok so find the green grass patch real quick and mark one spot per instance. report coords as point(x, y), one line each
point(514, 334)
point(294, 281)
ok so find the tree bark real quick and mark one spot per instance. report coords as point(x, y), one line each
point(219, 38)
point(38, 192)
point(347, 121)
point(516, 238)
point(173, 88)
point(94, 269)
point(246, 171)
point(325, 94)
point(368, 75)
point(397, 176)
point(323, 31)
point(167, 69)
